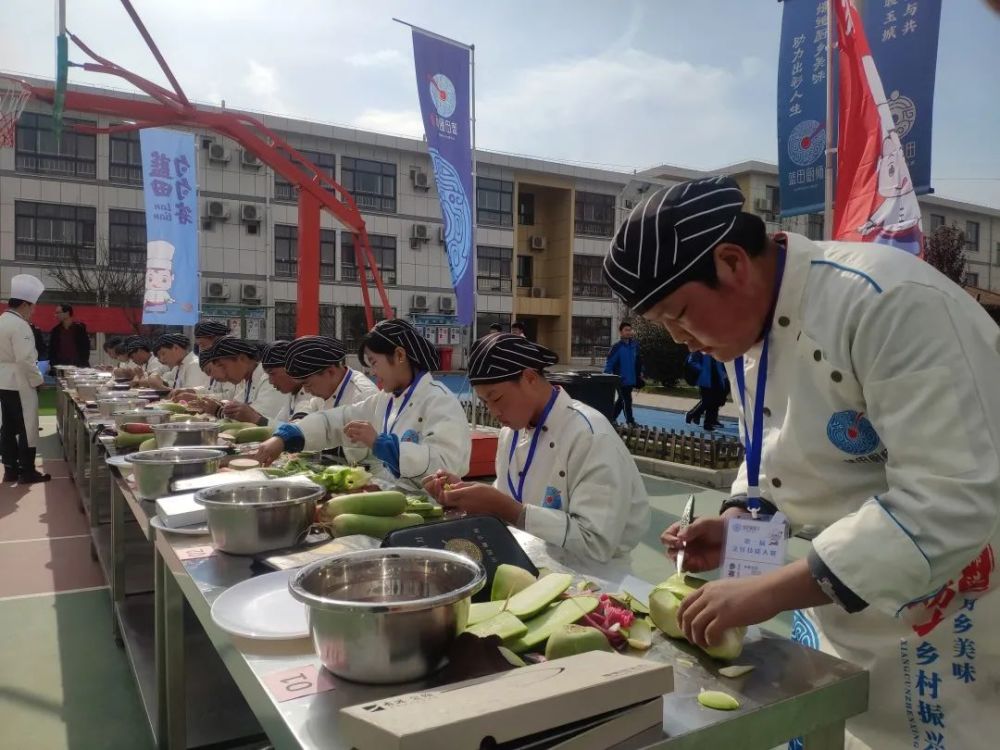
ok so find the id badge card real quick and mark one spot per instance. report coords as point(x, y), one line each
point(754, 546)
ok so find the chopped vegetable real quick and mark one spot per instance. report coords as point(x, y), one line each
point(736, 671)
point(718, 700)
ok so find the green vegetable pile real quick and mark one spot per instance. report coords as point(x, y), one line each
point(334, 479)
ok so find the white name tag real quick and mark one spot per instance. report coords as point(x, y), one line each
point(754, 546)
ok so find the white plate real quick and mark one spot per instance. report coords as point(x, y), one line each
point(119, 462)
point(262, 608)
point(196, 529)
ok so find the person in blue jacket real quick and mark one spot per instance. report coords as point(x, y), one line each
point(713, 385)
point(625, 361)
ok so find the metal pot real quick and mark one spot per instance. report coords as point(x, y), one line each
point(108, 407)
point(141, 416)
point(170, 434)
point(155, 470)
point(87, 390)
point(125, 386)
point(251, 517)
point(387, 615)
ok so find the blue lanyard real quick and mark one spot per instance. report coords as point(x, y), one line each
point(755, 443)
point(518, 492)
point(406, 400)
point(246, 397)
point(343, 387)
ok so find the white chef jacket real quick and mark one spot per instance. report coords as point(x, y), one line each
point(582, 491)
point(152, 367)
point(301, 402)
point(432, 428)
point(188, 374)
point(353, 389)
point(19, 368)
point(882, 428)
point(262, 397)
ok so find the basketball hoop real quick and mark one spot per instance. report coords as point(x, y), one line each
point(14, 95)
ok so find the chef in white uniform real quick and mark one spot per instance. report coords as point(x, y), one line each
point(298, 400)
point(173, 350)
point(869, 392)
point(255, 400)
point(206, 333)
point(563, 474)
point(140, 353)
point(318, 363)
point(412, 428)
point(19, 381)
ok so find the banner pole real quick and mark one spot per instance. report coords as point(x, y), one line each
point(831, 161)
point(475, 222)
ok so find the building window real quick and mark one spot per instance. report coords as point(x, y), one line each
point(54, 233)
point(588, 277)
point(372, 183)
point(284, 321)
point(971, 279)
point(972, 236)
point(937, 221)
point(355, 326)
point(595, 214)
point(284, 191)
point(40, 152)
point(525, 274)
point(815, 227)
point(125, 160)
point(590, 333)
point(526, 209)
point(485, 319)
point(383, 248)
point(328, 320)
point(127, 238)
point(494, 202)
point(286, 252)
point(493, 269)
point(773, 194)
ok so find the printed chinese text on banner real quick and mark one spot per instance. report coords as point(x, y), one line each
point(443, 86)
point(168, 176)
point(904, 40)
point(802, 135)
point(875, 200)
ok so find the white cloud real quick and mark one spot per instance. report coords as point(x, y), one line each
point(261, 83)
point(403, 122)
point(379, 59)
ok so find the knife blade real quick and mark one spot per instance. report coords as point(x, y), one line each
point(686, 518)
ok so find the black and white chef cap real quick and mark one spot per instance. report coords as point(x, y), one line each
point(503, 356)
point(172, 339)
point(402, 333)
point(312, 354)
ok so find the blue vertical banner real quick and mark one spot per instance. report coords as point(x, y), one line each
point(903, 36)
point(802, 135)
point(445, 92)
point(170, 189)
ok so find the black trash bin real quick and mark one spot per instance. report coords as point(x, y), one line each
point(596, 389)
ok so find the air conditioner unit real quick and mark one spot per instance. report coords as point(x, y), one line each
point(250, 294)
point(537, 242)
point(216, 290)
point(420, 179)
point(217, 211)
point(537, 291)
point(420, 232)
point(218, 152)
point(249, 213)
point(247, 159)
point(418, 302)
point(762, 204)
point(441, 236)
point(446, 303)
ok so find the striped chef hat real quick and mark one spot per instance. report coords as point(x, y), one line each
point(135, 343)
point(502, 356)
point(402, 333)
point(229, 346)
point(274, 354)
point(205, 328)
point(172, 339)
point(312, 354)
point(666, 235)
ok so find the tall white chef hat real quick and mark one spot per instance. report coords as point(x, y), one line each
point(26, 287)
point(159, 254)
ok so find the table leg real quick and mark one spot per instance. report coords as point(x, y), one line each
point(117, 581)
point(171, 718)
point(829, 737)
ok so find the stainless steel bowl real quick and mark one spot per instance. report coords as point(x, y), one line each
point(87, 390)
point(251, 517)
point(123, 386)
point(142, 416)
point(170, 434)
point(387, 615)
point(155, 470)
point(108, 407)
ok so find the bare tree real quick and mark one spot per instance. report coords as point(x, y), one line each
point(945, 250)
point(107, 281)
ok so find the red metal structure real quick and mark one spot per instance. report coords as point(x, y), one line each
point(316, 191)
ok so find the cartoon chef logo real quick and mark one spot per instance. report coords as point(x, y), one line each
point(552, 498)
point(159, 276)
point(851, 432)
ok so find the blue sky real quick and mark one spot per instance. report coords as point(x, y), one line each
point(626, 84)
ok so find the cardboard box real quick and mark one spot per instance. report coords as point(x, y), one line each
point(507, 706)
point(599, 733)
point(180, 510)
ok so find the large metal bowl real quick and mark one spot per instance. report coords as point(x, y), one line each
point(142, 416)
point(252, 517)
point(108, 407)
point(87, 390)
point(155, 470)
point(170, 434)
point(387, 615)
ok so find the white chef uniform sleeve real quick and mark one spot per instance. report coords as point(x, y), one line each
point(924, 368)
point(269, 401)
point(445, 444)
point(325, 429)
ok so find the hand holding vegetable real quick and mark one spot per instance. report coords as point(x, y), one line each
point(434, 485)
point(481, 499)
point(269, 450)
point(361, 432)
point(240, 412)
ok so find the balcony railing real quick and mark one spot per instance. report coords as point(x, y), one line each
point(487, 284)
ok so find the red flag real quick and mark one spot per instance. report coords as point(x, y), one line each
point(875, 201)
